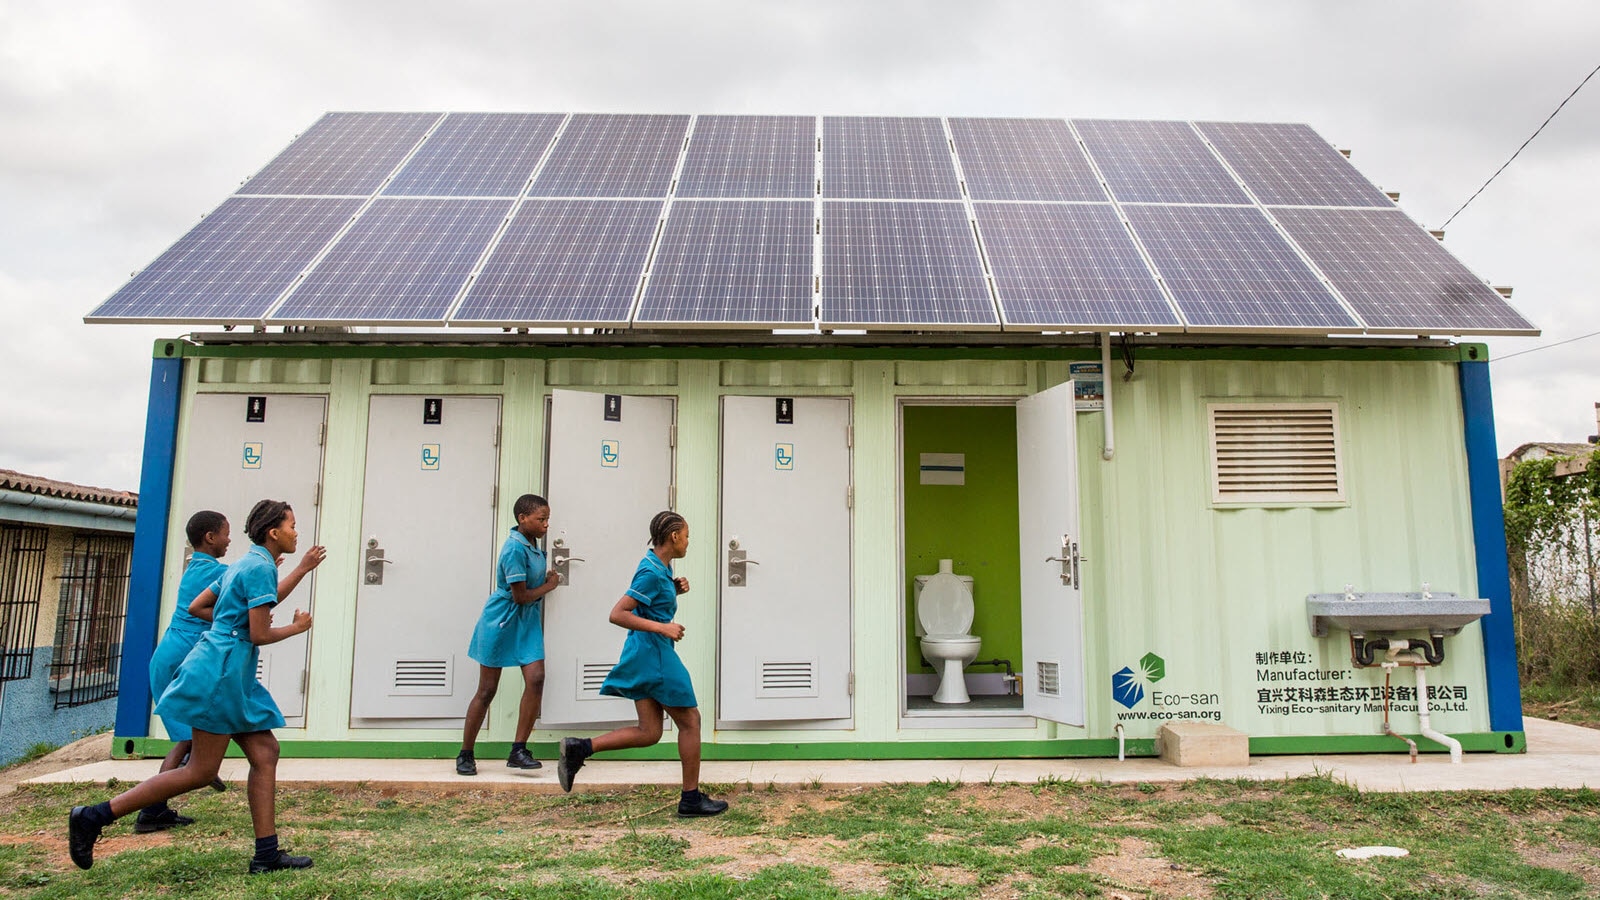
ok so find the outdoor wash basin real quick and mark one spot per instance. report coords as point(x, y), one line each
point(1364, 614)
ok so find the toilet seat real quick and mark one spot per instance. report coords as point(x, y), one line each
point(945, 607)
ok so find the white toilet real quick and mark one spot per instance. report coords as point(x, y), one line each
point(944, 613)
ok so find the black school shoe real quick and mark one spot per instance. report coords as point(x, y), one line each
point(161, 821)
point(218, 785)
point(570, 761)
point(81, 835)
point(520, 758)
point(466, 765)
point(281, 861)
point(700, 805)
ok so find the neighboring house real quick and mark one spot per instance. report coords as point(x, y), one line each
point(1537, 450)
point(64, 555)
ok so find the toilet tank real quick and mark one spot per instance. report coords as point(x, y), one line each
point(917, 584)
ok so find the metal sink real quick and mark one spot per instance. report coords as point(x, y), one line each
point(1363, 614)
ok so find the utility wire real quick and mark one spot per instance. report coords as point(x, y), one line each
point(1547, 346)
point(1520, 149)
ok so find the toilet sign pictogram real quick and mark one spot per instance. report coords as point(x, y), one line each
point(433, 411)
point(252, 455)
point(785, 410)
point(783, 457)
point(430, 457)
point(255, 409)
point(610, 454)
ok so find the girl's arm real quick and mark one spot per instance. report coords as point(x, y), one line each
point(311, 560)
point(201, 606)
point(623, 615)
point(262, 632)
point(521, 594)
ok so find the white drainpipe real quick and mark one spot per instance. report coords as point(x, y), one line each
point(1105, 381)
point(1427, 727)
point(1121, 742)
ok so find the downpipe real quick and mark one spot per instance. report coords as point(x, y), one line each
point(1110, 447)
point(1122, 744)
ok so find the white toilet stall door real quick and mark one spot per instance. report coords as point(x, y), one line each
point(785, 636)
point(610, 471)
point(241, 449)
point(429, 509)
point(1052, 595)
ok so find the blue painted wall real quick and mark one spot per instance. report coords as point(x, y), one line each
point(28, 715)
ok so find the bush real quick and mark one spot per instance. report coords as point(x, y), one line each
point(1552, 544)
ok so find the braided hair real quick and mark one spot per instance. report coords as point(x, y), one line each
point(664, 525)
point(265, 516)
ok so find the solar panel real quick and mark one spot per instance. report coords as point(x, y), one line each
point(613, 156)
point(567, 262)
point(1157, 162)
point(902, 264)
point(1291, 164)
point(403, 261)
point(477, 155)
point(887, 159)
point(1227, 267)
point(343, 153)
point(232, 266)
point(746, 262)
point(1023, 159)
point(751, 156)
point(1069, 266)
point(1397, 276)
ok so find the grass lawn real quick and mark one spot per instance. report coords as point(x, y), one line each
point(1561, 703)
point(1052, 839)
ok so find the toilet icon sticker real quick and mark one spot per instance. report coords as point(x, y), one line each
point(610, 454)
point(783, 457)
point(430, 457)
point(252, 455)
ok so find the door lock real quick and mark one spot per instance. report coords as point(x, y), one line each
point(1068, 560)
point(375, 562)
point(560, 559)
point(737, 560)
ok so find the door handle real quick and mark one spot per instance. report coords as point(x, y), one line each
point(560, 559)
point(375, 562)
point(737, 560)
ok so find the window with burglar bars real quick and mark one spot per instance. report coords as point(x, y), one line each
point(94, 603)
point(22, 549)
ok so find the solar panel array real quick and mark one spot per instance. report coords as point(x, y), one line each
point(761, 222)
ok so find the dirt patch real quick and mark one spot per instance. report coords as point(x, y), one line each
point(1136, 872)
point(92, 749)
point(1559, 856)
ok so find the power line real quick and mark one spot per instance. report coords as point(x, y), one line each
point(1519, 149)
point(1547, 346)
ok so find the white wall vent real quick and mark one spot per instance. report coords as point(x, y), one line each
point(1049, 679)
point(1276, 453)
point(421, 678)
point(786, 678)
point(590, 676)
point(263, 669)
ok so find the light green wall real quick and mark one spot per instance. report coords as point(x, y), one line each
point(1206, 589)
point(973, 524)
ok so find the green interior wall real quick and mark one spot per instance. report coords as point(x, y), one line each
point(973, 524)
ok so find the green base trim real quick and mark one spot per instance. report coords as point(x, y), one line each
point(1501, 742)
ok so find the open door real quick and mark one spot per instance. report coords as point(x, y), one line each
point(610, 471)
point(1052, 595)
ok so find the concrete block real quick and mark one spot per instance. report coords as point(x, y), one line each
point(1203, 744)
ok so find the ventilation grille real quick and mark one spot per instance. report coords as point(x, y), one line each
point(1275, 453)
point(421, 678)
point(263, 668)
point(786, 678)
point(1049, 679)
point(590, 676)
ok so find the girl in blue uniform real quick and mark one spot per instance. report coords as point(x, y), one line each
point(649, 672)
point(510, 632)
point(216, 693)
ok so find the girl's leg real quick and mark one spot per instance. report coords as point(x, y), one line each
point(478, 708)
point(532, 698)
point(261, 749)
point(644, 734)
point(174, 757)
point(204, 758)
point(687, 718)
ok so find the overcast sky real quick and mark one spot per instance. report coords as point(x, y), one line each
point(124, 123)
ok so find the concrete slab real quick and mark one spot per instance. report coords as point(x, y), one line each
point(1559, 756)
point(1202, 744)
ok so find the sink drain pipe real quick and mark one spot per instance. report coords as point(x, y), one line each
point(1427, 727)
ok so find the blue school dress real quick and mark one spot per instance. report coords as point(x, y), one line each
point(509, 633)
point(649, 667)
point(216, 688)
point(183, 632)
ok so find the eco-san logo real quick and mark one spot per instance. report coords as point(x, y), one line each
point(1127, 685)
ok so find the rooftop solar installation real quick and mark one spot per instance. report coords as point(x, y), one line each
point(564, 262)
point(1397, 276)
point(1229, 269)
point(1023, 159)
point(735, 262)
point(1285, 164)
point(403, 261)
point(343, 153)
point(751, 156)
point(232, 266)
point(477, 155)
point(1069, 266)
point(1157, 162)
point(904, 265)
point(887, 159)
point(613, 156)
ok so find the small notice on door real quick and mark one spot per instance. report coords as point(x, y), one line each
point(252, 455)
point(783, 457)
point(1088, 385)
point(942, 468)
point(610, 454)
point(430, 457)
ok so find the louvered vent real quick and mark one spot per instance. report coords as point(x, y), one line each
point(787, 678)
point(1276, 453)
point(263, 669)
point(1049, 679)
point(590, 676)
point(421, 678)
